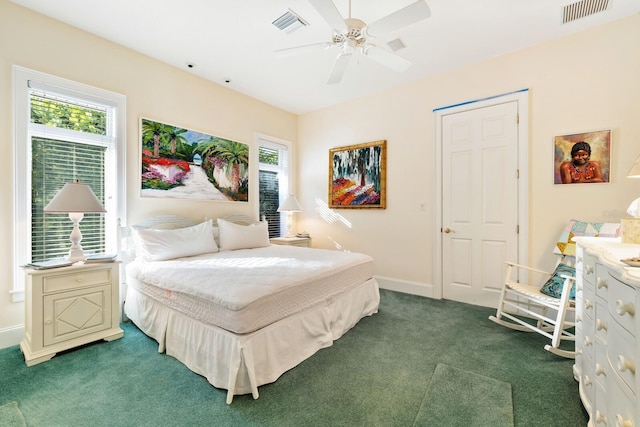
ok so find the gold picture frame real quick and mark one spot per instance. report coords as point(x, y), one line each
point(582, 158)
point(358, 175)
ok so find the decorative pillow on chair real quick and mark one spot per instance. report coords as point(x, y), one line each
point(553, 286)
point(567, 246)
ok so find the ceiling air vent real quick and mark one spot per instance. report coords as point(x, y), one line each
point(289, 22)
point(396, 44)
point(582, 9)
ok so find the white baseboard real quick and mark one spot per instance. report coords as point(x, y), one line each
point(11, 336)
point(413, 288)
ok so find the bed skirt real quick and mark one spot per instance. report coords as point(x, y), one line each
point(242, 363)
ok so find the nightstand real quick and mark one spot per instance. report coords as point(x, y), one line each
point(304, 242)
point(70, 306)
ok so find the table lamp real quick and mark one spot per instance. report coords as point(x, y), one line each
point(76, 199)
point(290, 205)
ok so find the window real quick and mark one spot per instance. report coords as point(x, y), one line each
point(64, 131)
point(273, 177)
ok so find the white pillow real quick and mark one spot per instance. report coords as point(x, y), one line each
point(236, 236)
point(160, 245)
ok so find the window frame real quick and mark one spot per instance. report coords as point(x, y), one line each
point(287, 171)
point(115, 178)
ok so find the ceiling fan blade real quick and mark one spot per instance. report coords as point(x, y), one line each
point(401, 18)
point(302, 49)
point(339, 67)
point(329, 12)
point(386, 58)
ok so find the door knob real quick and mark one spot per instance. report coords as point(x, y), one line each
point(448, 230)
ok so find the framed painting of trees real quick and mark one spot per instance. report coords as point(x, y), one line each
point(185, 164)
point(357, 176)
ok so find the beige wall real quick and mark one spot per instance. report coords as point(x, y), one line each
point(588, 81)
point(153, 90)
point(583, 82)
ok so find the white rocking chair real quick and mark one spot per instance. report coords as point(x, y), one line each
point(524, 307)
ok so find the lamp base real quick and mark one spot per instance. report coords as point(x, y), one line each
point(76, 253)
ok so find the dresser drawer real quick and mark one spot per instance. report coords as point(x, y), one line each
point(602, 279)
point(589, 303)
point(601, 367)
point(589, 268)
point(622, 304)
point(602, 319)
point(61, 282)
point(622, 356)
point(620, 403)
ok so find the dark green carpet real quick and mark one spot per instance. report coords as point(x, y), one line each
point(460, 398)
point(10, 415)
point(375, 375)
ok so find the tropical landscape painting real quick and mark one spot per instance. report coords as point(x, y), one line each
point(357, 176)
point(182, 163)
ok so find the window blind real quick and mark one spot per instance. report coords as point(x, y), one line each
point(269, 201)
point(273, 173)
point(64, 149)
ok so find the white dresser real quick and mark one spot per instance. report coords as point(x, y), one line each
point(70, 306)
point(608, 331)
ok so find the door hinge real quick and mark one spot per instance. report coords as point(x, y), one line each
point(517, 173)
point(517, 229)
point(517, 118)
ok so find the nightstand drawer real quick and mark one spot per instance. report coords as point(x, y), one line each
point(55, 283)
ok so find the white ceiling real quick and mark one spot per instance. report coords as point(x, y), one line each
point(234, 39)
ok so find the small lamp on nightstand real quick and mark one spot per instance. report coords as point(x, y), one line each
point(76, 199)
point(290, 205)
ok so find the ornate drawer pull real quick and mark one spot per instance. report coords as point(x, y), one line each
point(622, 308)
point(79, 279)
point(588, 341)
point(587, 380)
point(626, 364)
point(622, 422)
point(588, 304)
point(602, 283)
point(600, 370)
point(601, 418)
point(588, 269)
point(601, 325)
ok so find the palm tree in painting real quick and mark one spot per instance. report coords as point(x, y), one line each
point(235, 154)
point(177, 138)
point(151, 131)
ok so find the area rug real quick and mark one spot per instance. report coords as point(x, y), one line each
point(459, 398)
point(10, 415)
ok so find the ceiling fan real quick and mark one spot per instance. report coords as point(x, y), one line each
point(353, 36)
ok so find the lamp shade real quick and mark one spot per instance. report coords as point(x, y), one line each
point(635, 169)
point(290, 204)
point(75, 197)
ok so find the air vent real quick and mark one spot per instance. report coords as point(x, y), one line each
point(396, 44)
point(582, 9)
point(289, 22)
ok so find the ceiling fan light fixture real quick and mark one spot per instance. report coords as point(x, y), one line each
point(289, 22)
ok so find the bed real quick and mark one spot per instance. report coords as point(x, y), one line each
point(235, 309)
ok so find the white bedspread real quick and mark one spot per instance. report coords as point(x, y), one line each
point(245, 290)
